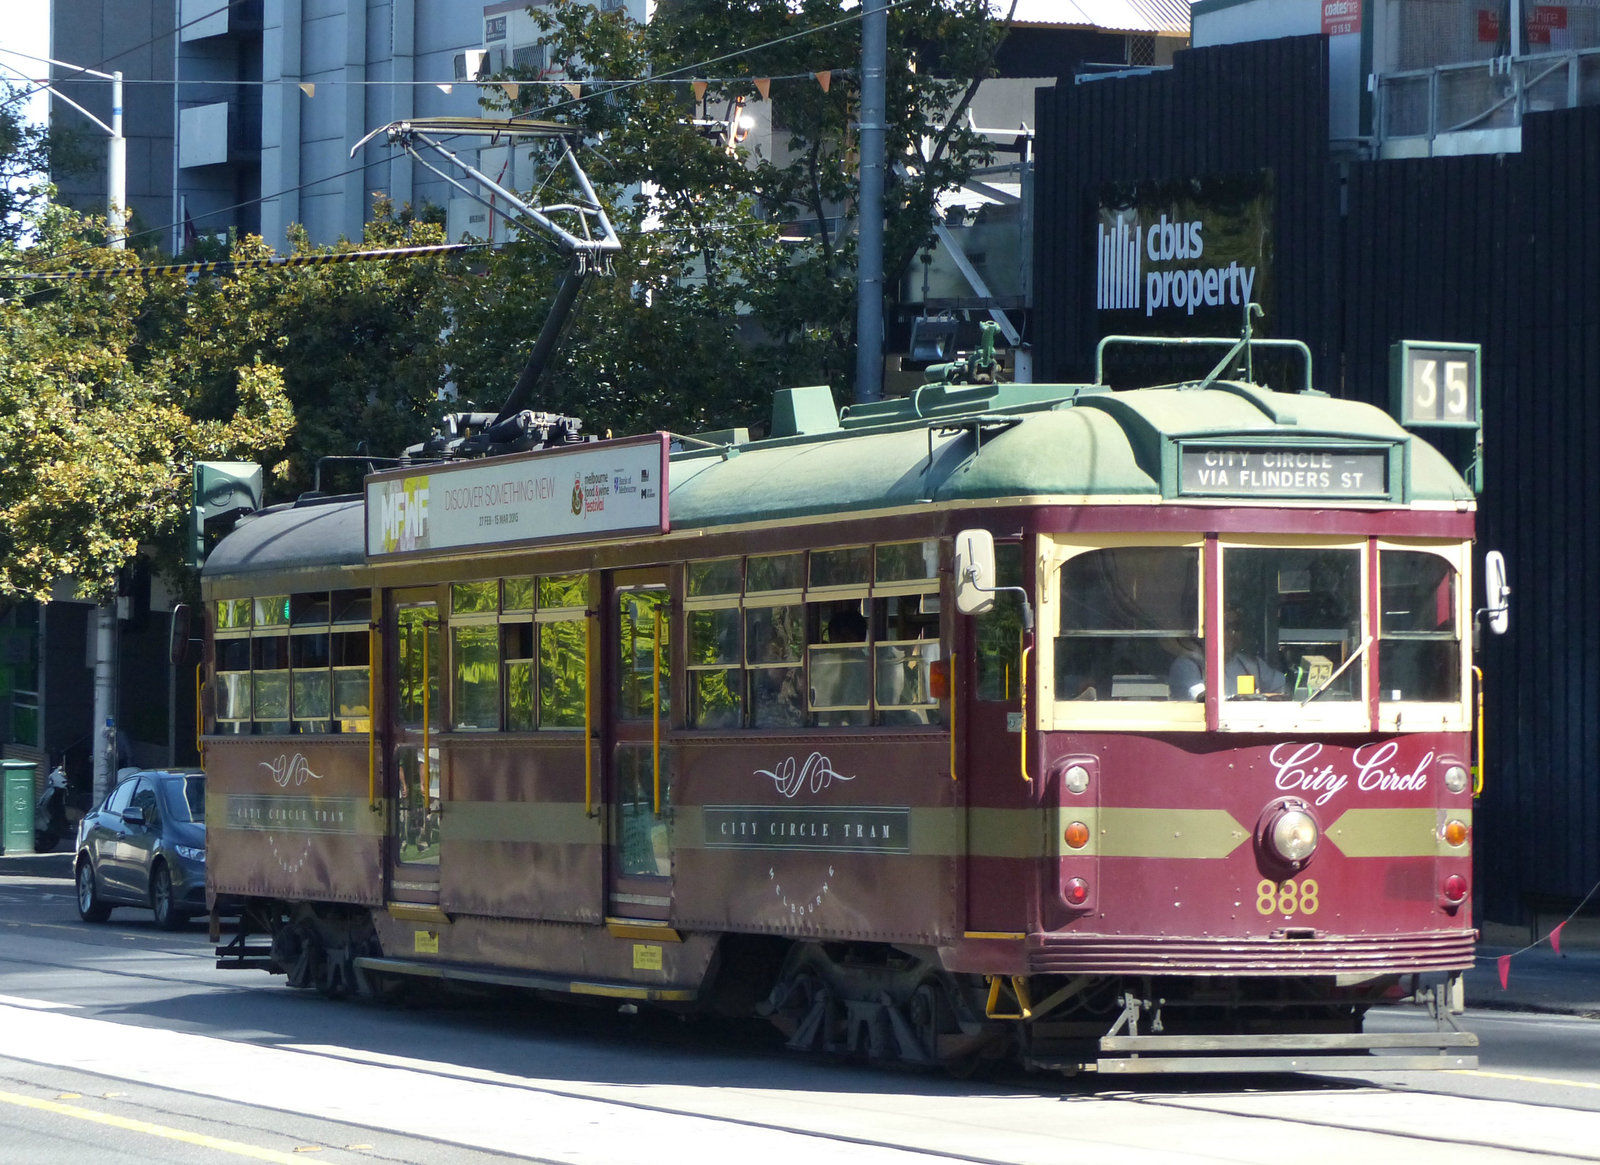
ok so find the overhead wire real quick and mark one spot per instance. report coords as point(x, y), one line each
point(599, 87)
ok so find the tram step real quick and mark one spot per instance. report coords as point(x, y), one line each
point(526, 979)
point(1288, 1052)
point(245, 957)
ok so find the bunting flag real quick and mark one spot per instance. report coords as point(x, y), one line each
point(230, 266)
point(574, 89)
point(1504, 963)
point(446, 88)
point(511, 88)
point(824, 78)
point(1555, 937)
point(309, 88)
point(763, 84)
point(699, 88)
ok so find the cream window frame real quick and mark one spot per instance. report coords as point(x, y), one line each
point(1054, 551)
point(1290, 715)
point(1432, 716)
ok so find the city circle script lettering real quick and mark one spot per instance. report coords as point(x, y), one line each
point(1369, 769)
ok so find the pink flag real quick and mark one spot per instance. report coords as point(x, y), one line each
point(1505, 969)
point(1555, 938)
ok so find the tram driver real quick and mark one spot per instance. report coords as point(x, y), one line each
point(1245, 671)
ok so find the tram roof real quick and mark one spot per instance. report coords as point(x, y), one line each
point(947, 444)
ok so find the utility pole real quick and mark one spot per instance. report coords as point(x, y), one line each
point(105, 634)
point(869, 211)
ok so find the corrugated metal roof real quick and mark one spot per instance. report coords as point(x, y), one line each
point(1149, 17)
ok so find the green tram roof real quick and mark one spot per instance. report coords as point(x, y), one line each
point(953, 444)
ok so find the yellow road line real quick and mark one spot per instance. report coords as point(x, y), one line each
point(237, 1148)
point(1523, 1079)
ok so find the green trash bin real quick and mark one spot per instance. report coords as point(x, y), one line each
point(16, 811)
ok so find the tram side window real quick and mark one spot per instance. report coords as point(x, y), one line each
point(1419, 648)
point(713, 652)
point(1291, 622)
point(562, 621)
point(293, 663)
point(1130, 624)
point(475, 656)
point(999, 630)
point(775, 646)
point(232, 697)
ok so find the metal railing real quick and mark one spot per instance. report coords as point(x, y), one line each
point(1484, 95)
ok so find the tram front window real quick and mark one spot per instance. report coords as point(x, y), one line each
point(1292, 623)
point(1419, 656)
point(1127, 614)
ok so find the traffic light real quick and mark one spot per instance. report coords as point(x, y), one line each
point(223, 490)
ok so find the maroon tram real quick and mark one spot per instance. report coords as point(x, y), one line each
point(1118, 730)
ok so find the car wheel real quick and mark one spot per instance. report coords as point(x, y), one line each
point(168, 916)
point(91, 907)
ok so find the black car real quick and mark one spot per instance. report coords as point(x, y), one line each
point(145, 845)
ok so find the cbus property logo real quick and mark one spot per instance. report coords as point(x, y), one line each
point(403, 514)
point(1160, 267)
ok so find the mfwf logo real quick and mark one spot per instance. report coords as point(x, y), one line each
point(403, 514)
point(1125, 284)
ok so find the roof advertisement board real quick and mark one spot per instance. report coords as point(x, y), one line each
point(601, 490)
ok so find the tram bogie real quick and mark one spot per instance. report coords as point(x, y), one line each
point(1118, 731)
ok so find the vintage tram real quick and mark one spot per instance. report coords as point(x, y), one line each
point(1114, 730)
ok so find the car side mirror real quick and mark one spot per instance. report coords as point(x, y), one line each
point(178, 645)
point(133, 815)
point(974, 567)
point(1496, 592)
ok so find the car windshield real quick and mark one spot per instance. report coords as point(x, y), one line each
point(185, 798)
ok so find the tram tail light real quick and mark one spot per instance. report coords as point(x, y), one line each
point(1075, 891)
point(939, 679)
point(1454, 890)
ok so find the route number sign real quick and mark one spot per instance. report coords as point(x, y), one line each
point(1435, 385)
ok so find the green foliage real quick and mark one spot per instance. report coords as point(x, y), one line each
point(112, 388)
point(738, 274)
point(28, 155)
point(98, 430)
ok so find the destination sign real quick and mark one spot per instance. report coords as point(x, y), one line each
point(1284, 471)
point(603, 489)
point(843, 830)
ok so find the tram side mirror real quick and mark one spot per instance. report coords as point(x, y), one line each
point(974, 566)
point(1496, 592)
point(178, 645)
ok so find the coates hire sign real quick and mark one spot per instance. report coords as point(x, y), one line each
point(602, 490)
point(1183, 257)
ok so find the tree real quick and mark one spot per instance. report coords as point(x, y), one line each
point(738, 274)
point(28, 155)
point(112, 387)
point(97, 440)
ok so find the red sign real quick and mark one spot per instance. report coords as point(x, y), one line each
point(1541, 20)
point(1340, 17)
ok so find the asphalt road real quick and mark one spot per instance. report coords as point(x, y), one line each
point(124, 1042)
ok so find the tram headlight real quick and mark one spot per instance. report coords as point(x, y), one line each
point(1455, 779)
point(1287, 834)
point(1294, 835)
point(1076, 779)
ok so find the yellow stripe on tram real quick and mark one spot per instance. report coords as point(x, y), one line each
point(237, 1148)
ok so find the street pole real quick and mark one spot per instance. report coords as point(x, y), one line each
point(103, 735)
point(869, 209)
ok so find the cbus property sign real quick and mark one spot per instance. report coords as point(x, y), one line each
point(599, 490)
point(1184, 257)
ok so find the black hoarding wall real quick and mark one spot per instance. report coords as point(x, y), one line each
point(1498, 250)
point(1230, 113)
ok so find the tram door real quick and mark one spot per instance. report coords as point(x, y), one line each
point(639, 773)
point(990, 688)
point(411, 776)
